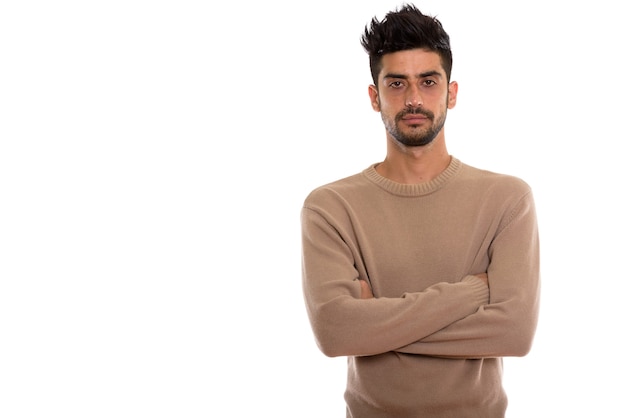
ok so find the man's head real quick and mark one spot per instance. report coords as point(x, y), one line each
point(411, 62)
point(406, 28)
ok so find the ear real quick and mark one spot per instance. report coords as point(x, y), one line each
point(453, 89)
point(374, 99)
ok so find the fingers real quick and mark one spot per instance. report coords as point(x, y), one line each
point(366, 291)
point(483, 277)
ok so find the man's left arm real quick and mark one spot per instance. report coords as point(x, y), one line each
point(506, 326)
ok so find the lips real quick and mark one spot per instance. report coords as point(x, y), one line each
point(414, 119)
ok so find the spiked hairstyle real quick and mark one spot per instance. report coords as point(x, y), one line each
point(405, 28)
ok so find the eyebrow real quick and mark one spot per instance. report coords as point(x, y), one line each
point(420, 75)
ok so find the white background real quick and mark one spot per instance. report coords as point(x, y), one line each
point(154, 157)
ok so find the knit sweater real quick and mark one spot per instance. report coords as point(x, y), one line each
point(431, 341)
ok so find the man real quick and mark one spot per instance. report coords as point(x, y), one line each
point(422, 270)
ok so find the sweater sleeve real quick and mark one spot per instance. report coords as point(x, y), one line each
point(346, 325)
point(506, 326)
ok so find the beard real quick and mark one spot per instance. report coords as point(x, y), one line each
point(416, 136)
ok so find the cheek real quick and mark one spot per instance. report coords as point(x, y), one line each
point(390, 104)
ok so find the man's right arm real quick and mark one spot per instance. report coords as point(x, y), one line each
point(366, 290)
point(344, 324)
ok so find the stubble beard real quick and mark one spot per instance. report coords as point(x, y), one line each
point(417, 136)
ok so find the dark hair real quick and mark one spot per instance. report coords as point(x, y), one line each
point(405, 28)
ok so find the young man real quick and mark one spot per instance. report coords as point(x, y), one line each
point(422, 270)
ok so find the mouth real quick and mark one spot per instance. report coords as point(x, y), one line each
point(415, 119)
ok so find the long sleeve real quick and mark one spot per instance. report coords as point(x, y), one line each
point(431, 341)
point(506, 326)
point(345, 325)
point(419, 248)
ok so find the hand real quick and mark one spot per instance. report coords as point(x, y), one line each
point(366, 291)
point(483, 277)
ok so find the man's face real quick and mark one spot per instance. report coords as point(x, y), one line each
point(413, 96)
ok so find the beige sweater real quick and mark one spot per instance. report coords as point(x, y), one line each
point(431, 341)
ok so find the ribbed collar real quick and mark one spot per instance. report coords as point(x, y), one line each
point(413, 190)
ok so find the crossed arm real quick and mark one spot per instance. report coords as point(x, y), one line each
point(366, 290)
point(489, 314)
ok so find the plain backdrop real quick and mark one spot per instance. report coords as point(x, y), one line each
point(154, 156)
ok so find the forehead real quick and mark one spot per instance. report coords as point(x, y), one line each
point(411, 62)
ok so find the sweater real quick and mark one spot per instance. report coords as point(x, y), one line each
point(431, 341)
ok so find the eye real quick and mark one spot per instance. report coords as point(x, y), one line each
point(430, 83)
point(396, 84)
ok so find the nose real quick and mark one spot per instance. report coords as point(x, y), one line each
point(413, 97)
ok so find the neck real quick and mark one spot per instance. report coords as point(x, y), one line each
point(413, 165)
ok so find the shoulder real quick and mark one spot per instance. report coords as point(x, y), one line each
point(339, 190)
point(506, 194)
point(493, 182)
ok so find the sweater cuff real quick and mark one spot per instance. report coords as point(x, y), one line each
point(479, 288)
